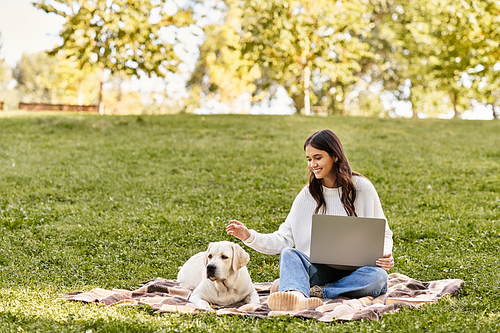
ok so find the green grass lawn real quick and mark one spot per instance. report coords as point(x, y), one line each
point(102, 201)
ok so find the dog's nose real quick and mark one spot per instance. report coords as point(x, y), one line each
point(211, 268)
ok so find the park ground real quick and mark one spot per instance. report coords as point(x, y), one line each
point(112, 201)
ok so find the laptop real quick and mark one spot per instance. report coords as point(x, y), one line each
point(346, 240)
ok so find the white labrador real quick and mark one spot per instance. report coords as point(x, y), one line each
point(219, 276)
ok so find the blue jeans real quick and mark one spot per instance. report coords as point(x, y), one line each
point(297, 273)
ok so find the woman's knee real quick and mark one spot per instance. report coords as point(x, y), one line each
point(286, 253)
point(378, 276)
point(289, 252)
point(291, 255)
point(377, 272)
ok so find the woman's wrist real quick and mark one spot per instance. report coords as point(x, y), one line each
point(250, 237)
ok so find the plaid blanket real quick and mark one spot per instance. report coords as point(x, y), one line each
point(172, 296)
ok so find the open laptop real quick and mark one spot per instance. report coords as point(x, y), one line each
point(346, 240)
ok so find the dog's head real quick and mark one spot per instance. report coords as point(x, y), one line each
point(223, 259)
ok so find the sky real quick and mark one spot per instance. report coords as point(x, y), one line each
point(24, 28)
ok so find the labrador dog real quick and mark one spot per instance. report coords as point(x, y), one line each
point(219, 276)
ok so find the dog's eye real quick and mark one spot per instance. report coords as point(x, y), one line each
point(209, 256)
point(224, 257)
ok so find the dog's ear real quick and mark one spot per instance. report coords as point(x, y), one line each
point(205, 257)
point(240, 257)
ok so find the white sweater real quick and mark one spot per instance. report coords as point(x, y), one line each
point(296, 230)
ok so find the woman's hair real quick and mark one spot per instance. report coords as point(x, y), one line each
point(327, 141)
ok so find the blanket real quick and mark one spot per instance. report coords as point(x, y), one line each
point(172, 296)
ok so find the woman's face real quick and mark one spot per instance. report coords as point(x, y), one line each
point(321, 164)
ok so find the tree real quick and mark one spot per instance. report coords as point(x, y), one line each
point(53, 79)
point(374, 67)
point(117, 101)
point(6, 96)
point(74, 84)
point(300, 43)
point(484, 35)
point(458, 28)
point(400, 44)
point(488, 89)
point(118, 35)
point(433, 46)
point(35, 78)
point(3, 69)
point(222, 72)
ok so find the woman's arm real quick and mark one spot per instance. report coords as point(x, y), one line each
point(275, 242)
point(272, 243)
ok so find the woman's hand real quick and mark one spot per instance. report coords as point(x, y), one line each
point(238, 230)
point(387, 262)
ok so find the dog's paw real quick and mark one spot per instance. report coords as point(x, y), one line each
point(253, 297)
point(204, 305)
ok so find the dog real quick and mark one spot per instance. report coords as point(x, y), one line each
point(219, 276)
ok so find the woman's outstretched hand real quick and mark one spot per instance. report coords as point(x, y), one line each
point(238, 230)
point(387, 262)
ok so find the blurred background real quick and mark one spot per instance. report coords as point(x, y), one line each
point(383, 58)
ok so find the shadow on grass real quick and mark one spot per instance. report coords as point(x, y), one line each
point(143, 319)
point(17, 322)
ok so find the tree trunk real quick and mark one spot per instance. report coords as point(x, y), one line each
point(494, 106)
point(101, 102)
point(342, 100)
point(119, 93)
point(413, 102)
point(307, 102)
point(80, 96)
point(53, 96)
point(332, 101)
point(298, 101)
point(454, 101)
point(414, 111)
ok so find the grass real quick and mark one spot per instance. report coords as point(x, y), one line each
point(102, 201)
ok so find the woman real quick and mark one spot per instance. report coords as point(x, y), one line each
point(333, 189)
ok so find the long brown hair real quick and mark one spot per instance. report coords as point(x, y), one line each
point(327, 141)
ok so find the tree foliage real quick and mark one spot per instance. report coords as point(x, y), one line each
point(466, 36)
point(222, 71)
point(299, 42)
point(433, 47)
point(46, 79)
point(3, 69)
point(6, 95)
point(307, 46)
point(440, 56)
point(120, 35)
point(35, 78)
point(489, 90)
point(75, 84)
